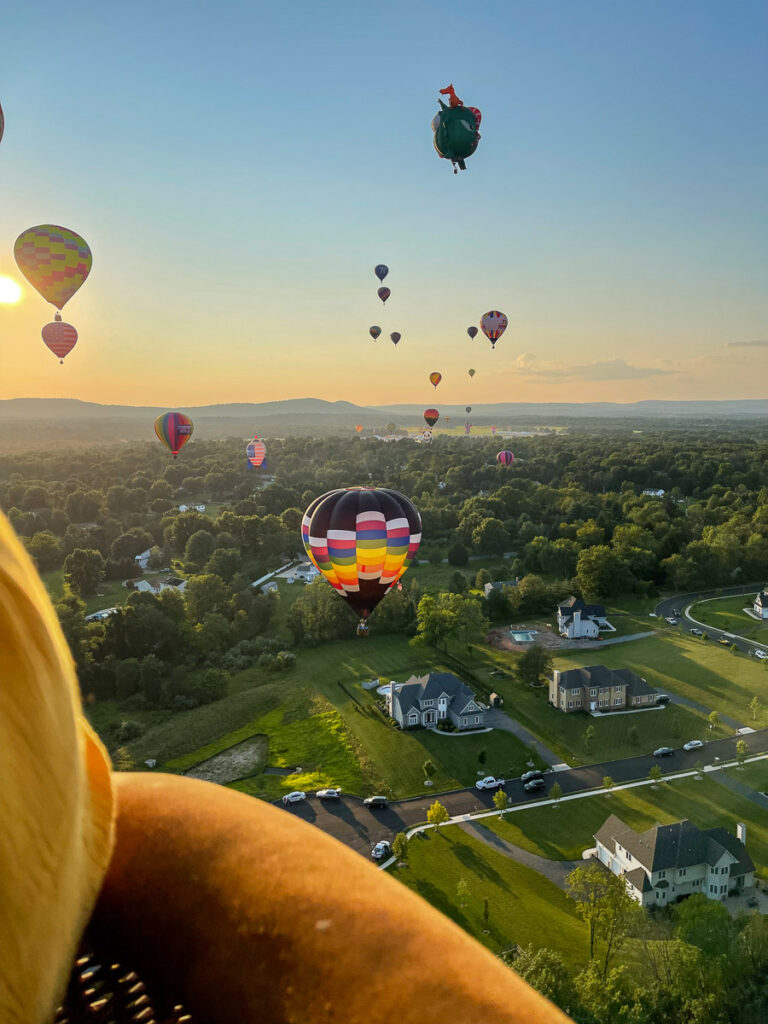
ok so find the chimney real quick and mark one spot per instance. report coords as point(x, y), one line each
point(741, 832)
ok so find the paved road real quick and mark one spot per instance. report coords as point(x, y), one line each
point(350, 821)
point(676, 608)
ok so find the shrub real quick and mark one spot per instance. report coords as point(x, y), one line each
point(128, 731)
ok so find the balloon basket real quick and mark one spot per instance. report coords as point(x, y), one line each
point(363, 629)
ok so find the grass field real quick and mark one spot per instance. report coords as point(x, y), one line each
point(524, 907)
point(563, 832)
point(727, 613)
point(436, 578)
point(754, 774)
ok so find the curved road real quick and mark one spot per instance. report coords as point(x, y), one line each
point(676, 607)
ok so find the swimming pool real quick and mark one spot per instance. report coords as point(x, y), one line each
point(526, 637)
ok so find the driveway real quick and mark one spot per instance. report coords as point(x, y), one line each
point(499, 719)
point(555, 870)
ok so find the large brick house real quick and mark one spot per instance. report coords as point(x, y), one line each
point(670, 861)
point(597, 688)
point(427, 700)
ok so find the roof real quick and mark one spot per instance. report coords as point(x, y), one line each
point(762, 599)
point(429, 687)
point(679, 845)
point(600, 676)
point(575, 604)
point(639, 879)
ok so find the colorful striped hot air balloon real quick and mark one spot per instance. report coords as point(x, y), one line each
point(255, 452)
point(435, 378)
point(55, 261)
point(174, 429)
point(505, 458)
point(493, 324)
point(362, 539)
point(60, 338)
point(431, 416)
point(359, 428)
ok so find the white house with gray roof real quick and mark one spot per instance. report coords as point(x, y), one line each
point(578, 620)
point(670, 861)
point(760, 606)
point(427, 700)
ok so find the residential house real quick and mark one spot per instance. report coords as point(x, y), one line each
point(142, 560)
point(100, 615)
point(654, 492)
point(191, 508)
point(498, 585)
point(304, 572)
point(427, 700)
point(597, 688)
point(671, 861)
point(172, 583)
point(760, 606)
point(578, 620)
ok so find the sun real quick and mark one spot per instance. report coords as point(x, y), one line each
point(10, 292)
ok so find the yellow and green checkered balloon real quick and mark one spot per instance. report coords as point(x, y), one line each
point(54, 260)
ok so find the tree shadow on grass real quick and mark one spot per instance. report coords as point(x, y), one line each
point(430, 892)
point(477, 865)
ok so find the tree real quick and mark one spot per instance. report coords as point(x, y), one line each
point(482, 577)
point(589, 735)
point(490, 537)
point(457, 555)
point(225, 563)
point(83, 570)
point(608, 783)
point(704, 923)
point(46, 550)
point(462, 891)
point(741, 752)
point(699, 766)
point(713, 718)
point(204, 594)
point(485, 911)
point(459, 583)
point(534, 666)
point(546, 971)
point(556, 792)
point(588, 885)
point(437, 814)
point(601, 573)
point(400, 846)
point(500, 800)
point(755, 707)
point(199, 547)
point(655, 774)
point(429, 769)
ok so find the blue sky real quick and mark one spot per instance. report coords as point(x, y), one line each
point(238, 169)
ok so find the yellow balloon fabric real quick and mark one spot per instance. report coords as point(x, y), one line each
point(56, 798)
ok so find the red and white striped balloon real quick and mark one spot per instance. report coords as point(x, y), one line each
point(60, 338)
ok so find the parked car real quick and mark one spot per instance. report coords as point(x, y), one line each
point(696, 631)
point(652, 615)
point(663, 698)
point(375, 801)
point(760, 654)
point(663, 752)
point(489, 782)
point(692, 745)
point(381, 850)
point(752, 901)
point(535, 774)
point(671, 620)
point(534, 785)
point(724, 641)
point(332, 793)
point(294, 797)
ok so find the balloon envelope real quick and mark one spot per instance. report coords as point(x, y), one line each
point(383, 294)
point(435, 378)
point(2, 123)
point(174, 429)
point(431, 416)
point(55, 261)
point(493, 324)
point(472, 332)
point(255, 452)
point(471, 373)
point(60, 338)
point(505, 458)
point(381, 271)
point(362, 539)
point(469, 408)
point(374, 332)
point(395, 337)
point(359, 427)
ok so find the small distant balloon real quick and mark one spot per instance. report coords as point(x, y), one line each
point(2, 123)
point(505, 458)
point(493, 324)
point(255, 452)
point(383, 294)
point(435, 378)
point(431, 416)
point(472, 332)
point(381, 271)
point(60, 338)
point(469, 409)
point(359, 428)
point(395, 337)
point(174, 429)
point(493, 430)
point(471, 373)
point(374, 332)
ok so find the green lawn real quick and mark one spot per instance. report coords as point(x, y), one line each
point(109, 593)
point(727, 613)
point(563, 832)
point(524, 907)
point(754, 774)
point(436, 578)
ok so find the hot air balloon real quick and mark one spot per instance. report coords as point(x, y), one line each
point(456, 129)
point(255, 452)
point(431, 416)
point(493, 430)
point(362, 539)
point(505, 458)
point(435, 378)
point(383, 294)
point(174, 429)
point(374, 332)
point(471, 373)
point(493, 324)
point(359, 428)
point(2, 123)
point(381, 271)
point(395, 337)
point(55, 261)
point(472, 332)
point(469, 409)
point(60, 338)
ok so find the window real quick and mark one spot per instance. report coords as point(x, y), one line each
point(681, 872)
point(715, 871)
point(662, 874)
point(570, 703)
point(723, 888)
point(593, 692)
point(617, 700)
point(629, 856)
point(463, 721)
point(477, 719)
point(575, 692)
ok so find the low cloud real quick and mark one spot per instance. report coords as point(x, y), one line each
point(748, 344)
point(606, 369)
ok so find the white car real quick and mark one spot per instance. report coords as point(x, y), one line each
point(761, 654)
point(489, 782)
point(381, 850)
point(294, 797)
point(692, 745)
point(671, 620)
point(332, 793)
